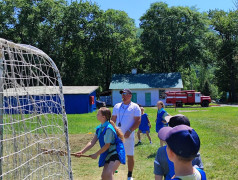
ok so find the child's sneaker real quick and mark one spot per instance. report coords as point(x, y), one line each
point(150, 142)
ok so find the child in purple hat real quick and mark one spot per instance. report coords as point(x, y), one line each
point(162, 165)
point(183, 144)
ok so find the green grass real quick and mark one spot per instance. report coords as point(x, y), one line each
point(38, 123)
point(217, 128)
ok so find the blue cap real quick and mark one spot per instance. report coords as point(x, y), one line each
point(182, 140)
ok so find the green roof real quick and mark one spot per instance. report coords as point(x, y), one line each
point(146, 81)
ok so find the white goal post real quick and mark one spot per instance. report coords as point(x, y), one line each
point(32, 116)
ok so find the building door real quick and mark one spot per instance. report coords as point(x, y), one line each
point(147, 99)
point(134, 97)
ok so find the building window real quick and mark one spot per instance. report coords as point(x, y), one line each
point(190, 95)
point(134, 97)
point(161, 94)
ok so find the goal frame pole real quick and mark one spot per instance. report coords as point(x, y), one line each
point(1, 110)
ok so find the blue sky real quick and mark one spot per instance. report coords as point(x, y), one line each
point(136, 8)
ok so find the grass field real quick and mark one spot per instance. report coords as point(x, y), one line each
point(217, 128)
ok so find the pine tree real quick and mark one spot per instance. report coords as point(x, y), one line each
point(206, 89)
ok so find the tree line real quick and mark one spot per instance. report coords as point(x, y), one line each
point(88, 44)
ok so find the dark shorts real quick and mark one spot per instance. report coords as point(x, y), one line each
point(112, 158)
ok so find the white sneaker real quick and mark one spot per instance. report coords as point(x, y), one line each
point(130, 178)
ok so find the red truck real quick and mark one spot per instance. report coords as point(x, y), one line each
point(188, 97)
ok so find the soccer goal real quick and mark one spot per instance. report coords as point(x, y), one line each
point(33, 121)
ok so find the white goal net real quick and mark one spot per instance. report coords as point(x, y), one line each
point(33, 123)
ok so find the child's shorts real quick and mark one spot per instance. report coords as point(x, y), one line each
point(114, 157)
point(144, 131)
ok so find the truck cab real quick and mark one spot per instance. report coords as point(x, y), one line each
point(193, 98)
point(188, 97)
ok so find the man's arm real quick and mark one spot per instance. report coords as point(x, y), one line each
point(133, 127)
point(137, 118)
point(136, 124)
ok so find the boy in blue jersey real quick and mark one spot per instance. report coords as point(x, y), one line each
point(183, 144)
point(144, 126)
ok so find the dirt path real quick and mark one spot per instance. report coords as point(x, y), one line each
point(232, 105)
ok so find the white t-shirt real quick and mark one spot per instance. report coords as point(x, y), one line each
point(125, 115)
point(195, 176)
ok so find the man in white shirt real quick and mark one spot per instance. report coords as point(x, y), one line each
point(127, 116)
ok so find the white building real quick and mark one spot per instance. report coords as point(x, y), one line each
point(146, 89)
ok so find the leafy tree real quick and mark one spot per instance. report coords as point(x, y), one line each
point(76, 34)
point(115, 44)
point(32, 22)
point(23, 20)
point(87, 44)
point(225, 25)
point(171, 37)
point(190, 78)
point(7, 19)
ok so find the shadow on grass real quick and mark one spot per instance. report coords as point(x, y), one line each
point(151, 156)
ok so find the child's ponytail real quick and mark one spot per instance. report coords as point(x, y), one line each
point(118, 131)
point(107, 113)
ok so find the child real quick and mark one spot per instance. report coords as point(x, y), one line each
point(160, 120)
point(112, 152)
point(162, 165)
point(144, 126)
point(183, 145)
